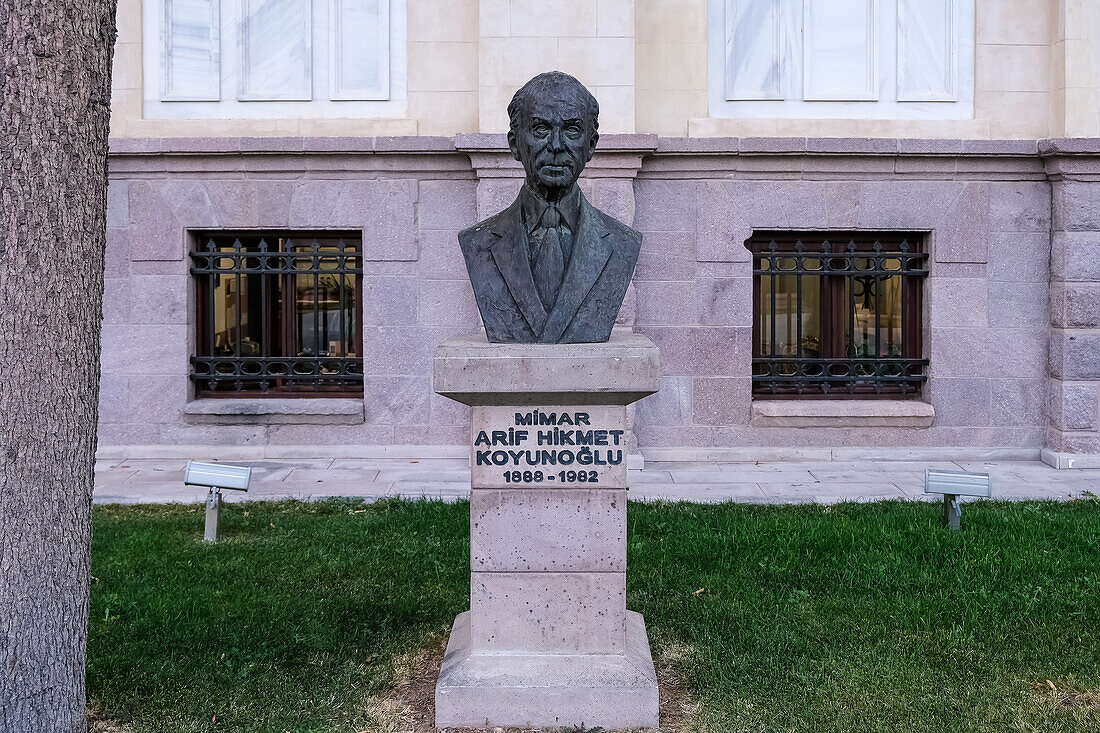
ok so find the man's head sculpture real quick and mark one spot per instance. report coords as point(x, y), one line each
point(553, 131)
point(550, 268)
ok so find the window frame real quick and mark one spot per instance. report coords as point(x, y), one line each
point(223, 95)
point(277, 328)
point(887, 96)
point(911, 364)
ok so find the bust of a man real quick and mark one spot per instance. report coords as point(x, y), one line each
point(550, 268)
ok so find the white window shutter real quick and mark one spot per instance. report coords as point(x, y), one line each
point(840, 50)
point(190, 51)
point(927, 51)
point(359, 49)
point(754, 49)
point(276, 49)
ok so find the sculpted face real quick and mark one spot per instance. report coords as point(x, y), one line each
point(554, 142)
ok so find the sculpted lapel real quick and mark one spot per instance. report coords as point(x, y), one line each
point(510, 255)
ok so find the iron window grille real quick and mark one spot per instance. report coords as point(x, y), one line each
point(837, 315)
point(279, 314)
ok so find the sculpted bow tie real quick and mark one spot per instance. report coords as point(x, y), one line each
point(551, 242)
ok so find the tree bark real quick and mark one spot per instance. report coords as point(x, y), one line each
point(55, 71)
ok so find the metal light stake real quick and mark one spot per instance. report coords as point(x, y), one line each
point(953, 484)
point(215, 476)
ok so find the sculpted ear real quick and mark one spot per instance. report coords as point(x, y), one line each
point(592, 146)
point(512, 144)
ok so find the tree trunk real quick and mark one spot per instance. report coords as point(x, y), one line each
point(55, 78)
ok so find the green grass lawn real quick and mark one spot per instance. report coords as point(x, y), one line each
point(844, 618)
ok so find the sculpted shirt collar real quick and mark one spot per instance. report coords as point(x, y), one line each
point(534, 206)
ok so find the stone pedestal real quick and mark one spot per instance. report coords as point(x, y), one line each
point(547, 640)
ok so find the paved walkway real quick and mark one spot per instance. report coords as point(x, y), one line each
point(149, 481)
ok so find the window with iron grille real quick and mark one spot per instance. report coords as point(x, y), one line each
point(837, 315)
point(278, 314)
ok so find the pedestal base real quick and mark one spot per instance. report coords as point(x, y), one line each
point(480, 690)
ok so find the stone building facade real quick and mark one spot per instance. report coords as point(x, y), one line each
point(996, 182)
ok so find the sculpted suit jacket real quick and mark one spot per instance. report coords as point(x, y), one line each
point(592, 290)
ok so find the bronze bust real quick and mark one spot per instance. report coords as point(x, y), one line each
point(550, 268)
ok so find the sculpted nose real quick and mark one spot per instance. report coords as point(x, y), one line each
point(555, 140)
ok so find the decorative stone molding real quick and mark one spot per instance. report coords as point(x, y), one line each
point(275, 411)
point(842, 413)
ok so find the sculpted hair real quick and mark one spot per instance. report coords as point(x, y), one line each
point(543, 84)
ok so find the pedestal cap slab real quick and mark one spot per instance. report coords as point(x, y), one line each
point(473, 371)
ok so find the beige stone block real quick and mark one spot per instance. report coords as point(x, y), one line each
point(1082, 113)
point(493, 107)
point(1013, 68)
point(352, 127)
point(442, 20)
point(1073, 18)
point(548, 530)
point(547, 691)
point(1015, 21)
point(939, 128)
point(616, 108)
point(126, 106)
point(1015, 114)
point(667, 112)
point(511, 449)
point(126, 67)
point(562, 18)
point(247, 128)
point(444, 113)
point(614, 18)
point(548, 613)
point(128, 21)
point(670, 66)
point(439, 66)
point(670, 21)
point(512, 61)
point(1057, 112)
point(473, 371)
point(494, 19)
point(1080, 69)
point(701, 126)
point(598, 61)
point(1058, 65)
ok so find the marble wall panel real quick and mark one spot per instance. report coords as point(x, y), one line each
point(1072, 405)
point(447, 205)
point(1017, 402)
point(961, 401)
point(671, 405)
point(394, 400)
point(390, 300)
point(721, 401)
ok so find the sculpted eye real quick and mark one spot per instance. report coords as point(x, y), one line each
point(574, 131)
point(541, 129)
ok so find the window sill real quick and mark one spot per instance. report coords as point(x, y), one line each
point(275, 411)
point(841, 414)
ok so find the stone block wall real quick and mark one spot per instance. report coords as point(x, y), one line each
point(409, 207)
point(985, 300)
point(1010, 324)
point(1074, 390)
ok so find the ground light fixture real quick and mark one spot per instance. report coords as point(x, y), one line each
point(953, 484)
point(215, 476)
